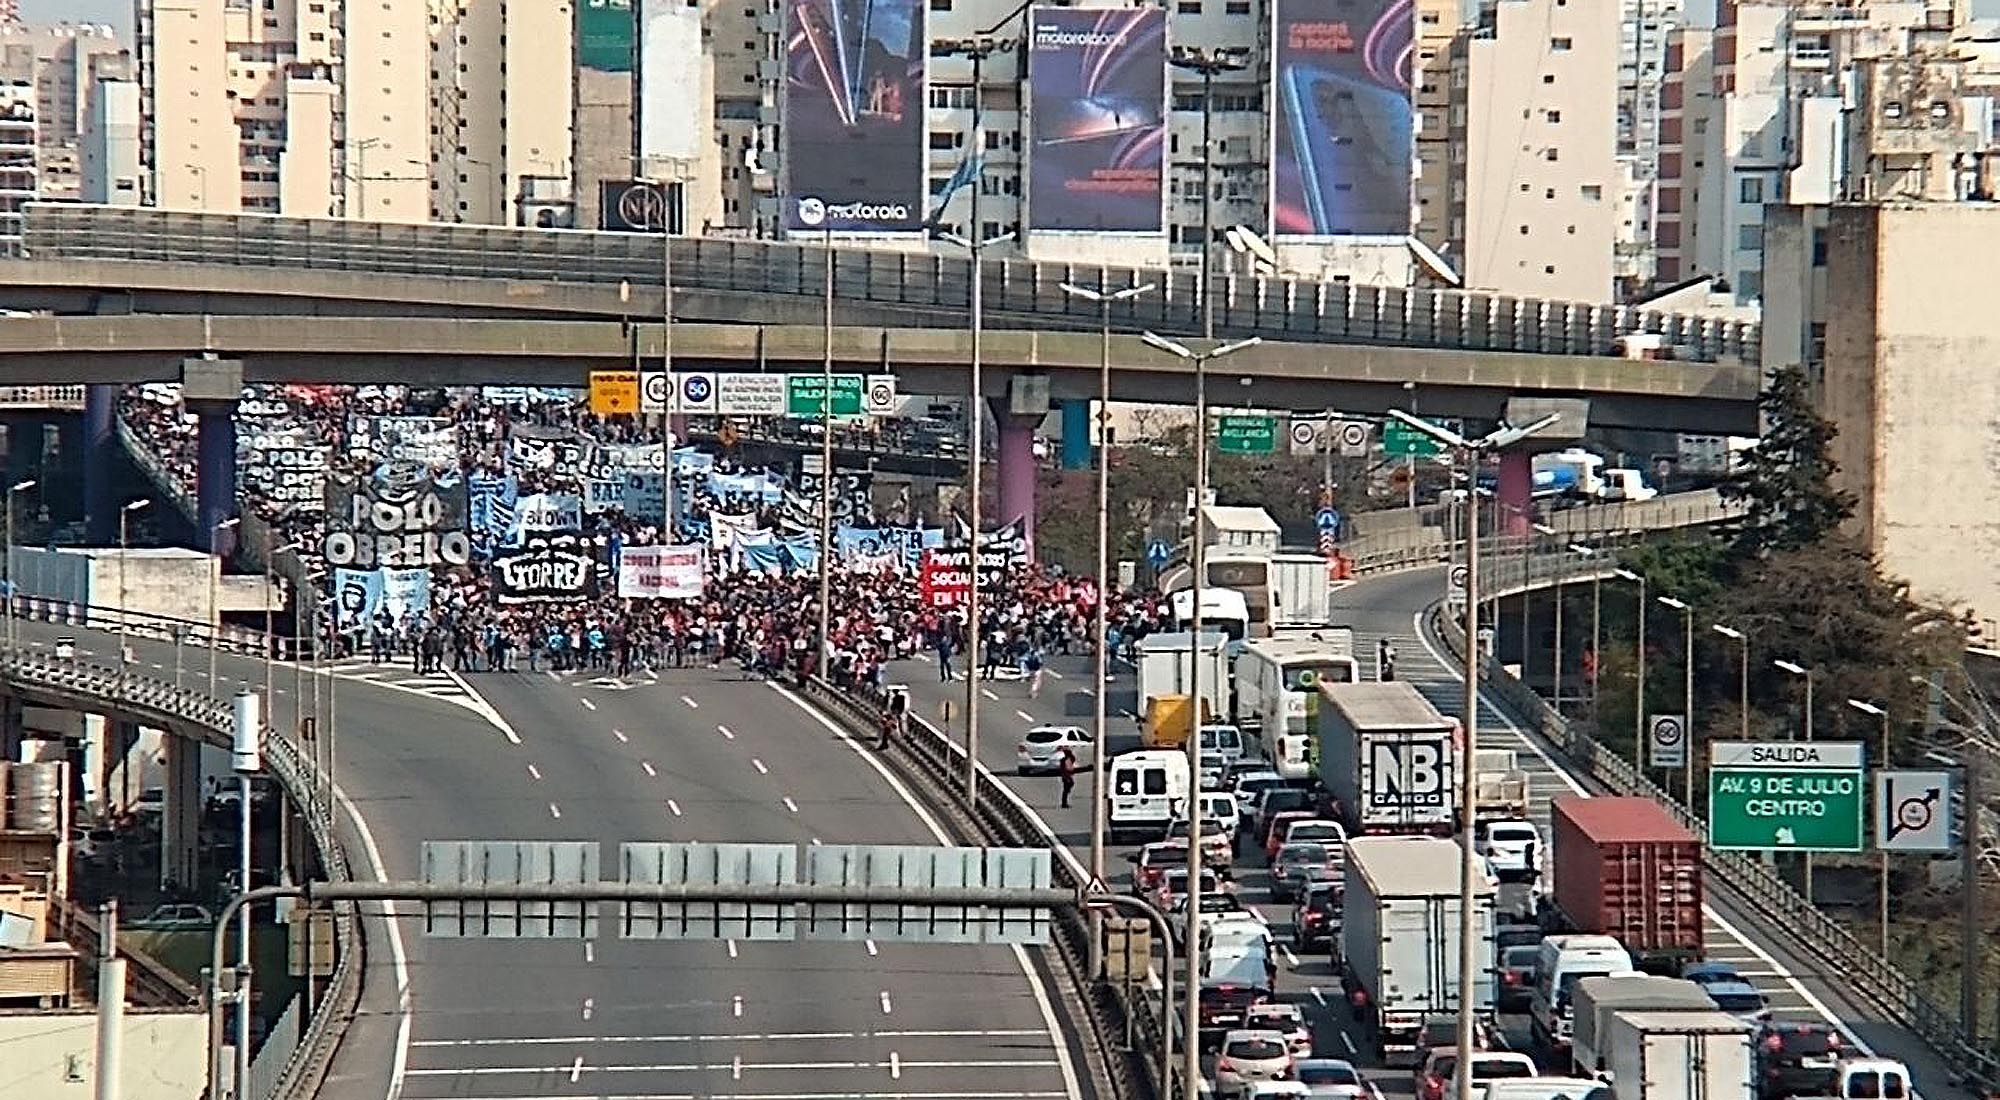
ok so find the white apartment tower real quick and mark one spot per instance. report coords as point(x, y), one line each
point(20, 154)
point(62, 61)
point(501, 104)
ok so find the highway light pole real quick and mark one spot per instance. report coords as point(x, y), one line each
point(1687, 696)
point(1191, 1022)
point(1742, 641)
point(1596, 630)
point(124, 551)
point(1208, 63)
point(1472, 454)
point(1639, 659)
point(1105, 298)
point(1796, 669)
point(13, 596)
point(214, 614)
point(1882, 856)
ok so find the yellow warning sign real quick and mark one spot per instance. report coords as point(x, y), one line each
point(614, 392)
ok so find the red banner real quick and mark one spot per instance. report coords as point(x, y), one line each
point(945, 579)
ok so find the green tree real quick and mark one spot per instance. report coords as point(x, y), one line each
point(1786, 484)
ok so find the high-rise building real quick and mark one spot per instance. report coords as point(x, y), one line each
point(110, 160)
point(501, 100)
point(20, 154)
point(60, 61)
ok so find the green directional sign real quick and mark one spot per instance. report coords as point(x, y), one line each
point(1247, 435)
point(805, 395)
point(1402, 440)
point(1785, 796)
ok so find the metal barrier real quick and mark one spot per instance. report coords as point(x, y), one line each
point(1003, 819)
point(151, 983)
point(163, 705)
point(933, 285)
point(1864, 971)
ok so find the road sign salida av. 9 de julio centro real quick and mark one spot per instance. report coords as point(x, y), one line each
point(1793, 796)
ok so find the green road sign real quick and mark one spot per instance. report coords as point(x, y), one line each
point(806, 393)
point(1247, 435)
point(1787, 796)
point(1400, 439)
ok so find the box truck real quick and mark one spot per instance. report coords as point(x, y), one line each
point(1595, 1000)
point(1399, 937)
point(1680, 1056)
point(1625, 868)
point(1387, 757)
point(1167, 663)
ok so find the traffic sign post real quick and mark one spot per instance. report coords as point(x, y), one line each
point(1788, 796)
point(653, 392)
point(1913, 811)
point(805, 395)
point(1403, 441)
point(1454, 595)
point(1327, 521)
point(1666, 737)
point(1247, 435)
point(614, 392)
point(1157, 553)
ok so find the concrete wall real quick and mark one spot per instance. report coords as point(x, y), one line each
point(1909, 383)
point(172, 583)
point(52, 1056)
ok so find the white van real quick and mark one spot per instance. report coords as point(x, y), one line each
point(1221, 745)
point(1147, 790)
point(1543, 1088)
point(1563, 962)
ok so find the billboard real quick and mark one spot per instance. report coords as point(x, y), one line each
point(671, 102)
point(604, 35)
point(1097, 119)
point(854, 115)
point(1343, 142)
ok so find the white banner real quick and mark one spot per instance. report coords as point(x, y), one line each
point(660, 572)
point(752, 394)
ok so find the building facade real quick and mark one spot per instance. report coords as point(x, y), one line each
point(62, 61)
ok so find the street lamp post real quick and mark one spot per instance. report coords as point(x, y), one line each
point(1639, 656)
point(1191, 1024)
point(1596, 628)
point(124, 551)
point(1882, 867)
point(13, 596)
point(1208, 63)
point(1742, 641)
point(1472, 455)
point(1806, 674)
point(214, 614)
point(1105, 298)
point(1687, 697)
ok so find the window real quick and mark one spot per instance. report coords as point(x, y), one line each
point(1189, 7)
point(1156, 778)
point(1549, 154)
point(1126, 783)
point(1548, 78)
point(1750, 284)
point(1237, 7)
point(1750, 238)
point(1548, 269)
point(1593, 192)
point(1750, 189)
point(1553, 116)
point(1559, 45)
point(940, 5)
point(1819, 248)
point(943, 140)
point(1524, 231)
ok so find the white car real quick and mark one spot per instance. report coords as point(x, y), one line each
point(1513, 847)
point(1277, 1090)
point(1285, 1019)
point(1040, 752)
point(1247, 1057)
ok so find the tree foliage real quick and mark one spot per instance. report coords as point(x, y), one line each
point(1786, 483)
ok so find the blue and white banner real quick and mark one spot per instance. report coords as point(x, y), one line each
point(603, 494)
point(406, 593)
point(545, 512)
point(357, 595)
point(491, 502)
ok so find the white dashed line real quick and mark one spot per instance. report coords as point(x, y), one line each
point(576, 1069)
point(1026, 717)
point(724, 731)
point(736, 1068)
point(589, 1007)
point(732, 949)
point(1318, 996)
point(1347, 1042)
point(759, 765)
point(872, 949)
point(736, 1006)
point(589, 951)
point(895, 1066)
point(620, 735)
point(815, 842)
point(791, 805)
point(647, 767)
point(886, 1009)
point(673, 807)
point(988, 692)
point(1289, 957)
point(689, 700)
point(534, 772)
point(554, 812)
point(587, 704)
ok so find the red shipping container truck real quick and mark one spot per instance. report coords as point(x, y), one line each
point(1625, 868)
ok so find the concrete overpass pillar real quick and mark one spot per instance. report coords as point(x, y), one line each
point(1017, 470)
point(211, 388)
point(1076, 434)
point(1516, 492)
point(98, 455)
point(180, 821)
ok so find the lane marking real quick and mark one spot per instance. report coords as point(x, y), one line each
point(732, 949)
point(399, 959)
point(534, 772)
point(872, 949)
point(988, 692)
point(895, 1066)
point(620, 735)
point(724, 731)
point(554, 812)
point(774, 1036)
point(1289, 957)
point(590, 951)
point(886, 1007)
point(689, 700)
point(759, 765)
point(474, 701)
point(736, 1006)
point(673, 807)
point(1072, 1088)
point(576, 1069)
point(587, 704)
point(1347, 1042)
point(1318, 996)
point(589, 1007)
point(736, 1068)
point(647, 767)
point(815, 842)
point(791, 805)
point(1026, 717)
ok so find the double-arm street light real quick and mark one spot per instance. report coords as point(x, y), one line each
point(1687, 696)
point(1191, 1025)
point(1639, 657)
point(1882, 856)
point(1742, 641)
point(1806, 674)
point(1471, 454)
point(13, 595)
point(214, 625)
point(1105, 297)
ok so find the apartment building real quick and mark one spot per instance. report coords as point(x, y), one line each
point(110, 170)
point(501, 102)
point(62, 61)
point(20, 154)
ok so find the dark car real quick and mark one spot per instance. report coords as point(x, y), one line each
point(1798, 1059)
point(1223, 1005)
point(1516, 935)
point(1316, 916)
point(1280, 800)
point(1517, 977)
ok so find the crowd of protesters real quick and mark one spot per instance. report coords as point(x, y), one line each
point(763, 623)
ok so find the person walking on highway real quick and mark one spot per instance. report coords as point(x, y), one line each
point(1033, 666)
point(1066, 763)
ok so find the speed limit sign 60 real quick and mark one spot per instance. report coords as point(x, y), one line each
point(1666, 737)
point(653, 392)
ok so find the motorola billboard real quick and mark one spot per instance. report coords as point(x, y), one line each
point(1343, 135)
point(1097, 115)
point(854, 115)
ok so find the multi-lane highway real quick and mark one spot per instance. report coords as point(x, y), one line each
point(1390, 607)
point(695, 755)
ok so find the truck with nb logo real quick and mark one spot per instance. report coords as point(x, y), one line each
point(1386, 756)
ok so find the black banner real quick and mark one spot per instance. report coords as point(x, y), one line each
point(402, 517)
point(639, 206)
point(560, 453)
point(290, 475)
point(548, 566)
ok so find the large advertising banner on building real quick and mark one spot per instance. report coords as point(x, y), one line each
point(1343, 142)
point(854, 115)
point(1097, 119)
point(671, 101)
point(604, 35)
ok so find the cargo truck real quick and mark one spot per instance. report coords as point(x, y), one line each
point(1387, 758)
point(1167, 721)
point(1167, 663)
point(1502, 785)
point(1301, 591)
point(1680, 1056)
point(1595, 1000)
point(1625, 868)
point(1399, 938)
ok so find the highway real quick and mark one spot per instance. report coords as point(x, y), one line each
point(697, 755)
point(1376, 608)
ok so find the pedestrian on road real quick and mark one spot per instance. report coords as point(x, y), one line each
point(1033, 665)
point(1067, 764)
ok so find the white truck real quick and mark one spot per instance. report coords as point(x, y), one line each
point(1680, 1056)
point(1301, 591)
point(1502, 785)
point(1399, 937)
point(1388, 758)
point(1166, 667)
point(1595, 1000)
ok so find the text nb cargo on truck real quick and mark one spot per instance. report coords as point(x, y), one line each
point(1388, 759)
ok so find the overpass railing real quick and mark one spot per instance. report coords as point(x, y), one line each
point(1862, 969)
point(158, 703)
point(934, 285)
point(928, 753)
